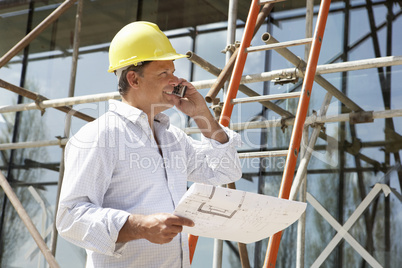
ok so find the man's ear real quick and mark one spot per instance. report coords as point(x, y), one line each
point(132, 79)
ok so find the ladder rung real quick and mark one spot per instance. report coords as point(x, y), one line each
point(267, 97)
point(263, 2)
point(280, 45)
point(264, 154)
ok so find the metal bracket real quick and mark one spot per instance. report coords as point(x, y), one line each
point(316, 124)
point(217, 106)
point(355, 146)
point(38, 101)
point(361, 117)
point(283, 124)
point(231, 47)
point(60, 138)
point(301, 66)
point(320, 125)
point(285, 78)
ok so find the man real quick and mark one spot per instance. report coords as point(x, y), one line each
point(127, 170)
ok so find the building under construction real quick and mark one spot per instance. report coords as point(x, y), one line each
point(313, 87)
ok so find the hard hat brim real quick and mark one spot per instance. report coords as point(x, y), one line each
point(126, 63)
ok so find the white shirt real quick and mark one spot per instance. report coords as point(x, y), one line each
point(114, 168)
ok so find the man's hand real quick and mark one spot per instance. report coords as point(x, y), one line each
point(193, 105)
point(157, 228)
point(162, 228)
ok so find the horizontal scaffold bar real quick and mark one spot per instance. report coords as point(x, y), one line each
point(32, 144)
point(263, 154)
point(263, 2)
point(237, 127)
point(309, 120)
point(321, 69)
point(60, 102)
point(267, 97)
point(280, 45)
point(253, 78)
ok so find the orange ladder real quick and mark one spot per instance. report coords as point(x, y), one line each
point(293, 151)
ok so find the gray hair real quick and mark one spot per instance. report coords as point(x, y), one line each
point(123, 84)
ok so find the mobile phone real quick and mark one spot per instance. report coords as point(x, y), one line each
point(179, 90)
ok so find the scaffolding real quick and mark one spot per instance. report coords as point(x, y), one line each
point(352, 113)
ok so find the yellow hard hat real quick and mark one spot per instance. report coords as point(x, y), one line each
point(140, 41)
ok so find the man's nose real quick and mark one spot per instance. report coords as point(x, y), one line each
point(174, 81)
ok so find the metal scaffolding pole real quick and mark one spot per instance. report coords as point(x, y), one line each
point(67, 124)
point(300, 64)
point(38, 102)
point(28, 222)
point(32, 144)
point(16, 127)
point(243, 88)
point(227, 70)
point(302, 169)
point(231, 36)
point(236, 127)
point(35, 32)
point(252, 78)
point(63, 102)
point(302, 108)
point(313, 119)
point(301, 224)
point(321, 69)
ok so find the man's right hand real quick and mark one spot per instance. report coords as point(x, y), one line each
point(158, 228)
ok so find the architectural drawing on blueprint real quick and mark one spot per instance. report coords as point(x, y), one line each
point(236, 215)
point(219, 210)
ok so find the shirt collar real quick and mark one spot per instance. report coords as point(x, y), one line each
point(134, 114)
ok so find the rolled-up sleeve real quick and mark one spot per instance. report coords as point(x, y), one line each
point(212, 162)
point(81, 219)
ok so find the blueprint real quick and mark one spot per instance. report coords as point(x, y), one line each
point(236, 215)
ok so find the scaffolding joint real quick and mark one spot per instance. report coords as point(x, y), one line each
point(60, 138)
point(286, 77)
point(217, 106)
point(39, 101)
point(317, 124)
point(301, 66)
point(231, 47)
point(361, 117)
point(284, 125)
point(355, 146)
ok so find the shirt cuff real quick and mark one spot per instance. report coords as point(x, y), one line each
point(221, 155)
point(234, 139)
point(120, 247)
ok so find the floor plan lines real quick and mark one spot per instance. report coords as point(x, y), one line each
point(236, 215)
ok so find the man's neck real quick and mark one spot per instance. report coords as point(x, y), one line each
point(148, 112)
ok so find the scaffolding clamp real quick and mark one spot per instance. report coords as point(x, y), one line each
point(301, 66)
point(284, 126)
point(355, 146)
point(231, 47)
point(38, 101)
point(61, 139)
point(361, 117)
point(286, 77)
point(217, 106)
point(317, 124)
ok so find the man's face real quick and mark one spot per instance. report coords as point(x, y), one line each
point(156, 84)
